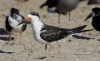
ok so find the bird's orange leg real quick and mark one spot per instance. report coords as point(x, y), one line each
point(50, 47)
point(9, 37)
point(20, 37)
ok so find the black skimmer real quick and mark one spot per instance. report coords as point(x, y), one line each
point(12, 19)
point(96, 18)
point(47, 34)
point(62, 6)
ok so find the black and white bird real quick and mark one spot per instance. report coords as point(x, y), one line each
point(12, 19)
point(47, 34)
point(62, 6)
point(95, 14)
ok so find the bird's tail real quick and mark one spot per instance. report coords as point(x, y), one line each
point(79, 30)
point(42, 6)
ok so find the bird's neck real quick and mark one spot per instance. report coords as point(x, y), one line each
point(36, 25)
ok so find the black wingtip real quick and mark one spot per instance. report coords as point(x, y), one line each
point(78, 29)
point(81, 27)
point(84, 26)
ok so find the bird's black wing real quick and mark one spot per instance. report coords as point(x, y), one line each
point(50, 33)
point(24, 24)
point(7, 25)
point(24, 27)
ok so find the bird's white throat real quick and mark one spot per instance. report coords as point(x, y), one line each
point(36, 27)
point(36, 24)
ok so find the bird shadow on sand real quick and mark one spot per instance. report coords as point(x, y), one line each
point(82, 37)
point(6, 38)
point(6, 52)
point(3, 32)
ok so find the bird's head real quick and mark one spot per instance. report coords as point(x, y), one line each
point(32, 16)
point(95, 12)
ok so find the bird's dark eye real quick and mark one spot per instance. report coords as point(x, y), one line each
point(34, 14)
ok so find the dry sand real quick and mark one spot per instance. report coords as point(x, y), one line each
point(80, 47)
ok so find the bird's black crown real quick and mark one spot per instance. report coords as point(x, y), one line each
point(14, 10)
point(35, 14)
point(96, 10)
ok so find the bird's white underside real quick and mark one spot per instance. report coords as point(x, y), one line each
point(13, 23)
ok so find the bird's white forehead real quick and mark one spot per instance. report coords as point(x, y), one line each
point(29, 15)
point(33, 16)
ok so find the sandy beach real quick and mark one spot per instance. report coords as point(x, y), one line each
point(78, 47)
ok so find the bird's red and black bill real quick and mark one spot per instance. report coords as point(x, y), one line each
point(23, 21)
point(27, 19)
point(89, 16)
